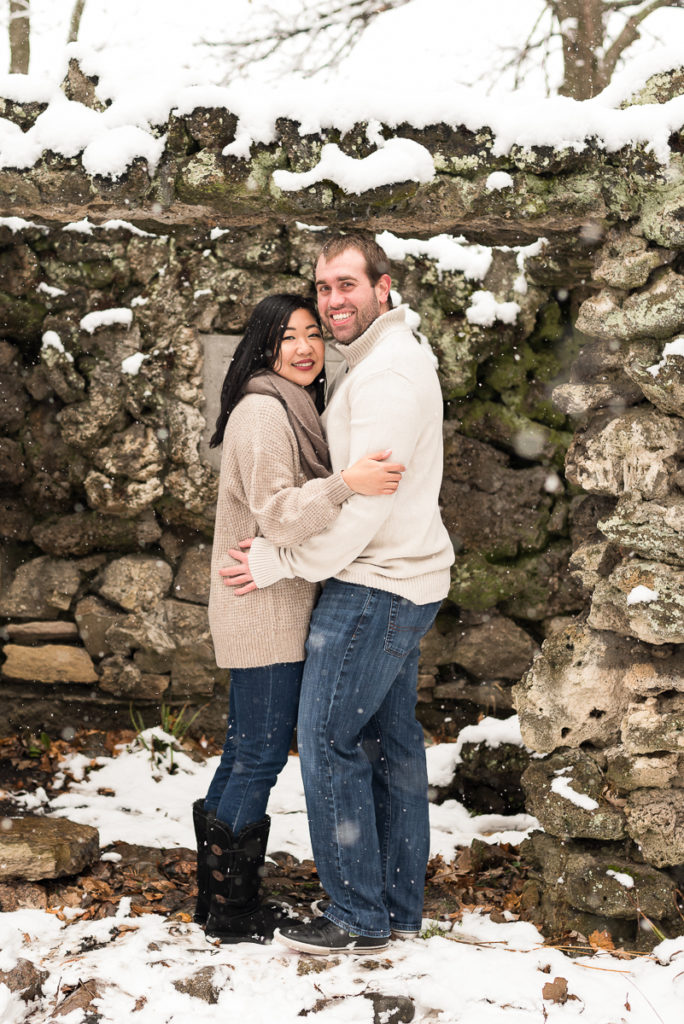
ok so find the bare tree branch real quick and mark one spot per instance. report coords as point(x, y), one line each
point(75, 23)
point(321, 32)
point(630, 33)
point(350, 17)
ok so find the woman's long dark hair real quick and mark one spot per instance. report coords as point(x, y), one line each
point(259, 350)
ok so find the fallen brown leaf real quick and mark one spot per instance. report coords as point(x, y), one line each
point(601, 940)
point(556, 991)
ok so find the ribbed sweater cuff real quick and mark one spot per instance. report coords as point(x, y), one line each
point(338, 491)
point(264, 564)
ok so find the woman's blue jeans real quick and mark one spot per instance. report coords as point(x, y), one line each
point(261, 718)
point(362, 755)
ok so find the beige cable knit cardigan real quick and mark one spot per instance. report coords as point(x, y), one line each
point(262, 491)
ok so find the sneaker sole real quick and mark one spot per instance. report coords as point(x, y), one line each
point(308, 947)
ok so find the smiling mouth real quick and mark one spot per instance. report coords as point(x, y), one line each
point(304, 366)
point(339, 318)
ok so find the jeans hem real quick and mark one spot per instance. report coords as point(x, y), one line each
point(369, 933)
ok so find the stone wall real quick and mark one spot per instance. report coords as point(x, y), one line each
point(563, 483)
point(108, 489)
point(604, 700)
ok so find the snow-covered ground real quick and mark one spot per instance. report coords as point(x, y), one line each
point(476, 972)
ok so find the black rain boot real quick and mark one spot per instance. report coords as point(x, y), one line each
point(235, 862)
point(199, 819)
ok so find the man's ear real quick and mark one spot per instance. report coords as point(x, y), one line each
point(383, 287)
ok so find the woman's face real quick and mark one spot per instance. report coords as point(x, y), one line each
point(302, 349)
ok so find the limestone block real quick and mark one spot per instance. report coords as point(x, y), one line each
point(655, 820)
point(145, 631)
point(87, 424)
point(194, 672)
point(488, 506)
point(136, 582)
point(627, 771)
point(591, 561)
point(186, 425)
point(190, 497)
point(602, 361)
point(110, 343)
point(34, 848)
point(41, 589)
point(663, 217)
point(579, 399)
point(589, 883)
point(61, 375)
point(83, 532)
point(585, 512)
point(19, 269)
point(626, 261)
point(16, 519)
point(193, 666)
point(147, 256)
point(657, 620)
point(637, 451)
point(186, 623)
point(124, 679)
point(12, 465)
point(656, 311)
point(13, 400)
point(655, 670)
point(118, 497)
point(561, 815)
point(493, 696)
point(487, 646)
point(40, 632)
point(574, 692)
point(134, 453)
point(194, 575)
point(49, 663)
point(653, 529)
point(661, 379)
point(655, 725)
point(94, 618)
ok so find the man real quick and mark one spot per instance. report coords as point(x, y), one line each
point(387, 564)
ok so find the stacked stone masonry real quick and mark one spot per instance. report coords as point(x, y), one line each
point(564, 437)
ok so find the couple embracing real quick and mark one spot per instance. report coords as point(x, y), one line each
point(314, 489)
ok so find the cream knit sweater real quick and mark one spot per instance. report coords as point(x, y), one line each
point(390, 398)
point(262, 491)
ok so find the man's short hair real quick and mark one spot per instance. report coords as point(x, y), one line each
point(376, 259)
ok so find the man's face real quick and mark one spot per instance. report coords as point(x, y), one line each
point(347, 302)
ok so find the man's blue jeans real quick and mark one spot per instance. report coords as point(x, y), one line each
point(261, 720)
point(363, 756)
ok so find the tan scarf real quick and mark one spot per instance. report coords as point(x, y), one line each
point(304, 419)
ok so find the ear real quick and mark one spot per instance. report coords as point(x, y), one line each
point(382, 288)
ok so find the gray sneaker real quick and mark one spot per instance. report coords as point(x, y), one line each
point(319, 907)
point(323, 937)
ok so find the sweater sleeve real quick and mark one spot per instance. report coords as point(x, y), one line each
point(384, 414)
point(265, 451)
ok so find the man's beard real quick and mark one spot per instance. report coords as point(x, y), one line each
point(364, 318)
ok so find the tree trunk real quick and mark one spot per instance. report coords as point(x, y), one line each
point(76, 16)
point(19, 36)
point(583, 34)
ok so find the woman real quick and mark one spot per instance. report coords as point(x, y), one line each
point(275, 481)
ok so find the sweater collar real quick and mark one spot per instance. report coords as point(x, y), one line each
point(366, 342)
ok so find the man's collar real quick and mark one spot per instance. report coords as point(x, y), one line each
point(365, 343)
